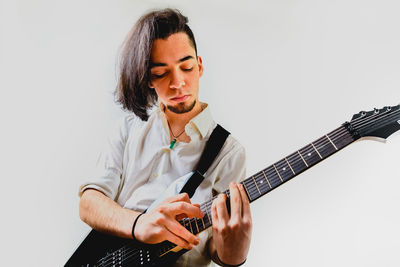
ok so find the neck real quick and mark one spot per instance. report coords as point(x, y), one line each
point(180, 120)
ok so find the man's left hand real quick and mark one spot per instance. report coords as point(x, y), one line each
point(231, 232)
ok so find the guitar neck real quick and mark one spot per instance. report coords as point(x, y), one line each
point(281, 171)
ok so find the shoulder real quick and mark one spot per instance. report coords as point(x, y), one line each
point(233, 148)
point(124, 125)
point(231, 152)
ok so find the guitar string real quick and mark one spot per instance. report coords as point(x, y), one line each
point(128, 254)
point(308, 149)
point(378, 114)
point(274, 178)
point(356, 123)
point(387, 118)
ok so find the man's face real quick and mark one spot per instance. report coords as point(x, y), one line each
point(175, 72)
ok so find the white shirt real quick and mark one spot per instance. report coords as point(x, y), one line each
point(137, 165)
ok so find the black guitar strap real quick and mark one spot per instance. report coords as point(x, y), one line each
point(213, 146)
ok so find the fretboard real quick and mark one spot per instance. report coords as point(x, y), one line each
point(280, 172)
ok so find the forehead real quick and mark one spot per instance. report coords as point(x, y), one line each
point(171, 49)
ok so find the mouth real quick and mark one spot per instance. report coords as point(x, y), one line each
point(180, 98)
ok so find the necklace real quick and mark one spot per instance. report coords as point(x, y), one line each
point(175, 137)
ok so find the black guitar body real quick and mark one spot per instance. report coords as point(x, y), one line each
point(103, 250)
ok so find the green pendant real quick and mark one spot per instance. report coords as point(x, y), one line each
point(171, 146)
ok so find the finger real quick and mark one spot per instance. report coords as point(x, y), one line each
point(184, 215)
point(177, 240)
point(178, 230)
point(245, 201)
point(181, 197)
point(191, 211)
point(214, 215)
point(222, 211)
point(236, 202)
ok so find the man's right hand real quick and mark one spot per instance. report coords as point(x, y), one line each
point(162, 223)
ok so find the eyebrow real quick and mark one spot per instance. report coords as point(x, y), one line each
point(157, 64)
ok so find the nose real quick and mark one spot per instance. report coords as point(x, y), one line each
point(177, 80)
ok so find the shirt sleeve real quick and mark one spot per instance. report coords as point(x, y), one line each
point(232, 168)
point(107, 173)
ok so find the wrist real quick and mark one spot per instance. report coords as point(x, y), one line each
point(134, 226)
point(228, 265)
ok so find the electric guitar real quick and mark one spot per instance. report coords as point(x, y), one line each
point(103, 250)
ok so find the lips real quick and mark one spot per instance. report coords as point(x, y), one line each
point(180, 98)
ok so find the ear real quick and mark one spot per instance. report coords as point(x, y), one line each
point(150, 85)
point(200, 64)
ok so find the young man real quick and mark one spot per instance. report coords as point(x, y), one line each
point(150, 149)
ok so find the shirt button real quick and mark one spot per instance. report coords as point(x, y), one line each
point(155, 175)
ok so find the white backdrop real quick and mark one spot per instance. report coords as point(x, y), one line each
point(278, 75)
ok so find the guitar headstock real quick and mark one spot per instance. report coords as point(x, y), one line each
point(376, 123)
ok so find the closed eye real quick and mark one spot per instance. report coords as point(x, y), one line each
point(158, 76)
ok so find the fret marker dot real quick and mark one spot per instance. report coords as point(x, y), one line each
point(284, 168)
point(309, 154)
point(261, 182)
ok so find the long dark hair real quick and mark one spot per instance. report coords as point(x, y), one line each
point(132, 91)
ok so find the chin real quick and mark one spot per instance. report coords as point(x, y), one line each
point(182, 107)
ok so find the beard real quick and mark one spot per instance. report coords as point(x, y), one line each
point(182, 107)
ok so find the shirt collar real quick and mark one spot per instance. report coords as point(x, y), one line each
point(202, 122)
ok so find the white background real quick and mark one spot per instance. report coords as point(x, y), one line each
point(278, 75)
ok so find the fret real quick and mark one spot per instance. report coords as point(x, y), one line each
point(197, 227)
point(297, 163)
point(331, 142)
point(199, 224)
point(273, 177)
point(190, 225)
point(302, 158)
point(262, 183)
point(251, 188)
point(192, 229)
point(316, 150)
point(256, 185)
point(324, 146)
point(341, 137)
point(204, 226)
point(290, 166)
point(278, 173)
point(266, 178)
point(249, 185)
point(245, 188)
point(208, 218)
point(283, 170)
point(309, 155)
